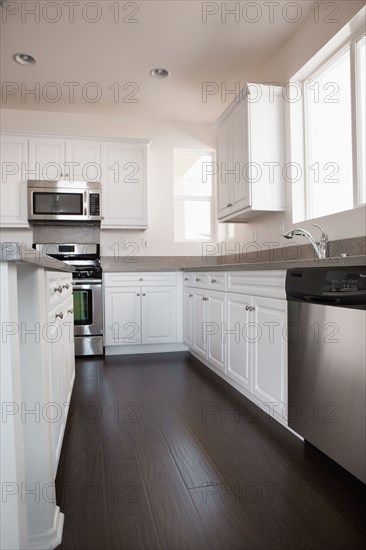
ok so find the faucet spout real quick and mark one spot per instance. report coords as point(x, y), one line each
point(321, 247)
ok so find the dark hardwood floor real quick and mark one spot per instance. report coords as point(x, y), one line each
point(159, 453)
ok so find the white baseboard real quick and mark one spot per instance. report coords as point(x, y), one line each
point(145, 348)
point(48, 540)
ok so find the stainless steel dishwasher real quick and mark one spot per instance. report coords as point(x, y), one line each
point(327, 361)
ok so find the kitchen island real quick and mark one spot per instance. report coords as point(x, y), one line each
point(35, 331)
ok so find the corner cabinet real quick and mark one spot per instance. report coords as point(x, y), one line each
point(124, 184)
point(239, 330)
point(250, 154)
point(13, 184)
point(142, 312)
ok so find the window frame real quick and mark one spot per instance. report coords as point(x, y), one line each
point(211, 199)
point(345, 39)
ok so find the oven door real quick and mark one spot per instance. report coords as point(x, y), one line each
point(88, 309)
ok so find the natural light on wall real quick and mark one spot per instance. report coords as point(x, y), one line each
point(193, 195)
point(328, 128)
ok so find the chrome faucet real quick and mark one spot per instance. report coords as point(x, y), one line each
point(321, 247)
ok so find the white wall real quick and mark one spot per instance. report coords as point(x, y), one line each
point(160, 184)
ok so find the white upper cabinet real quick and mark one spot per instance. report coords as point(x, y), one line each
point(46, 158)
point(124, 184)
point(73, 159)
point(251, 152)
point(83, 159)
point(13, 185)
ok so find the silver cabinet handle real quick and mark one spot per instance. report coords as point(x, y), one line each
point(67, 286)
point(186, 278)
point(213, 281)
point(253, 308)
point(61, 315)
point(247, 308)
point(190, 295)
point(70, 311)
point(197, 280)
point(229, 204)
point(143, 294)
point(58, 289)
point(138, 294)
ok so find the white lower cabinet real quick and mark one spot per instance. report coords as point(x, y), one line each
point(242, 335)
point(142, 309)
point(122, 316)
point(269, 353)
point(61, 358)
point(208, 313)
point(238, 349)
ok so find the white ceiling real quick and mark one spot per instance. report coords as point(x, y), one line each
point(168, 34)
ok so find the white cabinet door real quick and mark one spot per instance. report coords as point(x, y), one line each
point(122, 316)
point(238, 346)
point(47, 158)
point(188, 317)
point(270, 351)
point(224, 165)
point(69, 352)
point(239, 162)
point(13, 185)
point(199, 322)
point(55, 410)
point(124, 185)
point(83, 160)
point(214, 331)
point(159, 314)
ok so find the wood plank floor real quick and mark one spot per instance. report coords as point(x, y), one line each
point(159, 453)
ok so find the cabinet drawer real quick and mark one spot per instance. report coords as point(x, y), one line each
point(199, 280)
point(140, 279)
point(188, 279)
point(58, 287)
point(269, 283)
point(216, 281)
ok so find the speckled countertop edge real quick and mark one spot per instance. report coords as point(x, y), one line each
point(16, 252)
point(144, 264)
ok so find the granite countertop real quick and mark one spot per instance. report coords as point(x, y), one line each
point(19, 252)
point(161, 263)
point(247, 256)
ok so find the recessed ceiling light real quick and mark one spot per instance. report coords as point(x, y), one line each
point(160, 73)
point(24, 59)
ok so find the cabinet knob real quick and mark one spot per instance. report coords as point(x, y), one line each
point(247, 308)
point(138, 294)
point(143, 294)
point(253, 308)
point(70, 311)
point(229, 204)
point(213, 281)
point(67, 286)
point(60, 315)
point(190, 295)
point(197, 280)
point(58, 289)
point(186, 278)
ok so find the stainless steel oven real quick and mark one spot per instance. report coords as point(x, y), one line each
point(88, 317)
point(87, 293)
point(63, 201)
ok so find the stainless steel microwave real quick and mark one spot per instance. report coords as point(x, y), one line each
point(63, 201)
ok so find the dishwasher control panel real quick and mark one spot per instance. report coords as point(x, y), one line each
point(344, 281)
point(340, 286)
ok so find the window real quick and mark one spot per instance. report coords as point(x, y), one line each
point(193, 195)
point(330, 130)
